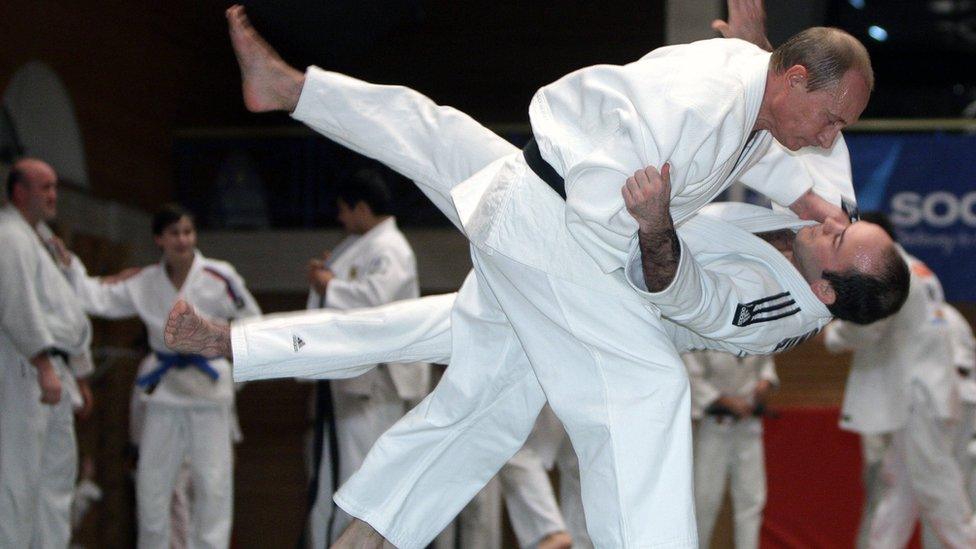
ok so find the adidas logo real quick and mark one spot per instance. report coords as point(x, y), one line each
point(297, 342)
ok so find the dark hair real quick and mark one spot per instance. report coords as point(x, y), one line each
point(863, 298)
point(167, 215)
point(827, 53)
point(880, 219)
point(366, 186)
point(15, 177)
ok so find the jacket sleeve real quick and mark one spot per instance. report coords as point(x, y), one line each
point(333, 344)
point(21, 312)
point(706, 300)
point(105, 300)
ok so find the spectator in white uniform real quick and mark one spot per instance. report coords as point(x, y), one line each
point(44, 357)
point(372, 266)
point(728, 397)
point(189, 399)
point(902, 382)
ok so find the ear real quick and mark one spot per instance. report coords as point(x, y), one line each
point(796, 76)
point(824, 291)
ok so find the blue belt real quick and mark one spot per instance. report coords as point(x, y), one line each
point(168, 361)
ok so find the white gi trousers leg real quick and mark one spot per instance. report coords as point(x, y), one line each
point(171, 435)
point(921, 477)
point(730, 451)
point(623, 400)
point(38, 461)
point(360, 420)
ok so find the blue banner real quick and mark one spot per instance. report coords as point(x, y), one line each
point(926, 183)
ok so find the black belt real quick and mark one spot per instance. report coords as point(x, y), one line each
point(543, 169)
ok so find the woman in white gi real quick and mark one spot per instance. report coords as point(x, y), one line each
point(189, 399)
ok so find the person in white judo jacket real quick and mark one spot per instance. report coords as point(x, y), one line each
point(44, 357)
point(727, 392)
point(902, 383)
point(373, 265)
point(964, 362)
point(963, 353)
point(526, 328)
point(188, 398)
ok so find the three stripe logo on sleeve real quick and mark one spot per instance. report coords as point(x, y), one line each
point(296, 342)
point(765, 309)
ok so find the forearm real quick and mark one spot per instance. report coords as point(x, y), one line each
point(660, 254)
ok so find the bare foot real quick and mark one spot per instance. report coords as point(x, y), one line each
point(359, 535)
point(188, 332)
point(269, 84)
point(556, 540)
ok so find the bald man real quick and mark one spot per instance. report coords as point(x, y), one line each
point(44, 339)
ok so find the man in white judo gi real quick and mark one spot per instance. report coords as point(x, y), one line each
point(44, 339)
point(372, 266)
point(964, 362)
point(526, 328)
point(726, 393)
point(902, 384)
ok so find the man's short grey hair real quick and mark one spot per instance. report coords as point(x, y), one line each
point(827, 53)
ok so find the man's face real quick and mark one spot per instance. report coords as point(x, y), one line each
point(834, 247)
point(40, 203)
point(803, 119)
point(178, 241)
point(351, 218)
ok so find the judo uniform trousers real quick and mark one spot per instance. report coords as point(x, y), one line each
point(38, 448)
point(901, 383)
point(371, 269)
point(188, 415)
point(728, 449)
point(491, 207)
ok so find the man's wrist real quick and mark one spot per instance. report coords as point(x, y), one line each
point(660, 254)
